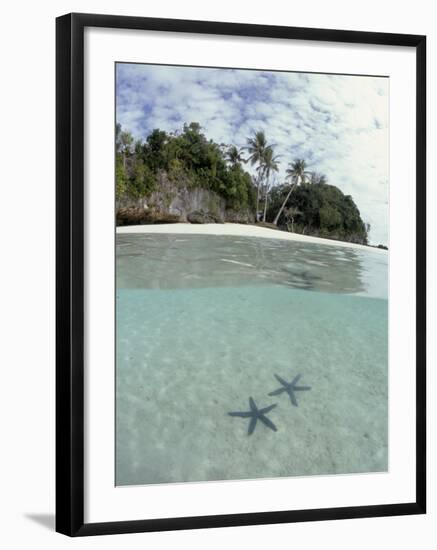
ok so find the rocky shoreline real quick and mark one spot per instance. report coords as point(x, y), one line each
point(174, 203)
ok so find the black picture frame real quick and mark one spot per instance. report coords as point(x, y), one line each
point(70, 273)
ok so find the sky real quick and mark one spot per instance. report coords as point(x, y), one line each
point(337, 123)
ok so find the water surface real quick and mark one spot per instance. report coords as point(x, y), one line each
point(204, 322)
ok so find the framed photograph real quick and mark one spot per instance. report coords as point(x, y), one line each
point(240, 274)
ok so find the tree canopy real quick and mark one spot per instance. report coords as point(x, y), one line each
point(321, 210)
point(304, 203)
point(188, 158)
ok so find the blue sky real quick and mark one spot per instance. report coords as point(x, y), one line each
point(338, 124)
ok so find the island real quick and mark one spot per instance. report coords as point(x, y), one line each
point(184, 177)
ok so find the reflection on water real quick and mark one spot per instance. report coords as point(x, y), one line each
point(200, 261)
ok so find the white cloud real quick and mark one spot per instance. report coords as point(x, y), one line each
point(338, 123)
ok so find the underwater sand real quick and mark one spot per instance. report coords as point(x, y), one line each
point(204, 322)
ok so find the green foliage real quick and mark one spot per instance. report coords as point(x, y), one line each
point(296, 171)
point(142, 182)
point(235, 155)
point(121, 179)
point(256, 147)
point(188, 158)
point(176, 171)
point(330, 217)
point(306, 204)
point(238, 189)
point(320, 209)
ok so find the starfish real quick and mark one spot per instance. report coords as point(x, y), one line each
point(289, 387)
point(256, 414)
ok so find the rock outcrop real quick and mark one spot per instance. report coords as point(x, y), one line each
point(172, 203)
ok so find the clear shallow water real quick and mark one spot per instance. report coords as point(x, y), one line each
point(197, 261)
point(198, 333)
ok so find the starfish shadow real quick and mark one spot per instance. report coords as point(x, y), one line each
point(256, 414)
point(290, 388)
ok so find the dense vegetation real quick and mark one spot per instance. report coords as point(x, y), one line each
point(188, 158)
point(321, 210)
point(303, 203)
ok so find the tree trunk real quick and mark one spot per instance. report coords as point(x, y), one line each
point(258, 193)
point(265, 200)
point(278, 215)
point(265, 205)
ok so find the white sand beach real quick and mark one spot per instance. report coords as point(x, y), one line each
point(240, 230)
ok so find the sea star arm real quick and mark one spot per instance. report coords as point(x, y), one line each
point(268, 422)
point(252, 405)
point(281, 380)
point(252, 425)
point(292, 397)
point(245, 414)
point(277, 392)
point(267, 409)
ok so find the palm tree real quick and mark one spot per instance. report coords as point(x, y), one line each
point(298, 170)
point(269, 165)
point(256, 147)
point(297, 174)
point(235, 155)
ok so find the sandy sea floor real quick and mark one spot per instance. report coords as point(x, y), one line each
point(188, 354)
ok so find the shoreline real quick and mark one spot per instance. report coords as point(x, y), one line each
point(237, 230)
